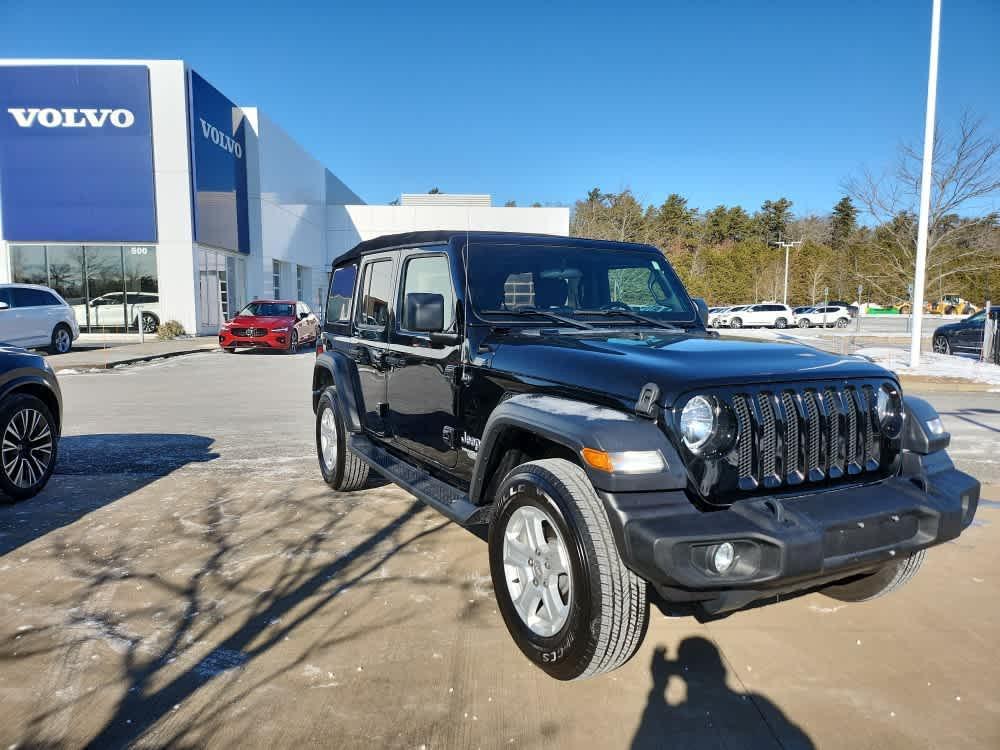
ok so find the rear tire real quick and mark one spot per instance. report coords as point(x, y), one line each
point(842, 323)
point(608, 610)
point(804, 323)
point(30, 443)
point(883, 581)
point(62, 340)
point(736, 323)
point(341, 468)
point(229, 349)
point(781, 323)
point(150, 323)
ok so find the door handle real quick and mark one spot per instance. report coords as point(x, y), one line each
point(394, 360)
point(359, 354)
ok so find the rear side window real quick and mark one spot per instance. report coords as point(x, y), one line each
point(376, 290)
point(32, 297)
point(338, 303)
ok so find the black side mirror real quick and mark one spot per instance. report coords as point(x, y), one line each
point(424, 312)
point(303, 315)
point(702, 310)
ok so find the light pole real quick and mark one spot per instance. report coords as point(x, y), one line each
point(788, 246)
point(920, 272)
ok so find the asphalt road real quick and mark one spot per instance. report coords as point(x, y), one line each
point(188, 580)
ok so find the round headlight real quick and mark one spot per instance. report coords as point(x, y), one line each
point(698, 423)
point(889, 408)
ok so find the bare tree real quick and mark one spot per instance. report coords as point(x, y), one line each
point(966, 176)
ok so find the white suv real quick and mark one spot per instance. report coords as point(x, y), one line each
point(831, 315)
point(769, 314)
point(35, 316)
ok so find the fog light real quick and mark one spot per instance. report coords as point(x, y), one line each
point(723, 557)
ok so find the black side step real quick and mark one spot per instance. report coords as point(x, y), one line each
point(444, 498)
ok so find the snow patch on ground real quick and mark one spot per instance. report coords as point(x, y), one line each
point(933, 365)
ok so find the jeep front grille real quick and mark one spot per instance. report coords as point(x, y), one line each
point(794, 434)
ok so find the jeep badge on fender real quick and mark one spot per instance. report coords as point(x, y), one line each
point(613, 444)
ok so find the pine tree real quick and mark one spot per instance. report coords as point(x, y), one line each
point(843, 222)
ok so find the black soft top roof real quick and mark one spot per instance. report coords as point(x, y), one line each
point(388, 241)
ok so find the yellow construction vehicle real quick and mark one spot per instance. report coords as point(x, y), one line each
point(949, 304)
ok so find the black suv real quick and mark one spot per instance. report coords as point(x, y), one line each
point(566, 392)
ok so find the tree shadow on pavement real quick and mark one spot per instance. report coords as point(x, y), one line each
point(250, 588)
point(710, 715)
point(124, 463)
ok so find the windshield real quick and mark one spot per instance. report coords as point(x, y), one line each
point(269, 309)
point(580, 282)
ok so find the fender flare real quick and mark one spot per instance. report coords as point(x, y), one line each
point(577, 425)
point(344, 373)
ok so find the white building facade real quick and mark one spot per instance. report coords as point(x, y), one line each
point(143, 194)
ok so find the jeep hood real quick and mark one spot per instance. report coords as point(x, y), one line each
point(620, 363)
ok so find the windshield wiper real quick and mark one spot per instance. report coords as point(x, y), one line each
point(523, 311)
point(633, 315)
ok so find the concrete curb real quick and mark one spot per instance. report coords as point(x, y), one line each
point(110, 364)
point(918, 383)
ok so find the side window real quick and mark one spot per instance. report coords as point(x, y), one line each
point(304, 308)
point(5, 296)
point(32, 297)
point(428, 275)
point(338, 303)
point(376, 286)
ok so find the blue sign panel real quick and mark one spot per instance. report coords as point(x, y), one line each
point(76, 153)
point(219, 168)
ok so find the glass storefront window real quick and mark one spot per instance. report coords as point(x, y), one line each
point(27, 264)
point(142, 289)
point(111, 288)
point(67, 275)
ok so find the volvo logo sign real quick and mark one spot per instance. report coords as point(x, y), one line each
point(220, 139)
point(71, 117)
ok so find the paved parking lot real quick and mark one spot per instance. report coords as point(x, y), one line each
point(187, 579)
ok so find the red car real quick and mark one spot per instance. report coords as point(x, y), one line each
point(270, 324)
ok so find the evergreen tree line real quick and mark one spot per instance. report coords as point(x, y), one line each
point(729, 255)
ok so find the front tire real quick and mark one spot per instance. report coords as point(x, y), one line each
point(293, 343)
point(804, 323)
point(781, 323)
point(62, 340)
point(942, 345)
point(736, 323)
point(29, 446)
point(341, 468)
point(568, 600)
point(842, 323)
point(150, 323)
point(883, 581)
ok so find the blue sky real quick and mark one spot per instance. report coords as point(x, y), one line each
point(723, 102)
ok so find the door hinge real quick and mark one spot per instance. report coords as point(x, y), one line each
point(456, 374)
point(448, 434)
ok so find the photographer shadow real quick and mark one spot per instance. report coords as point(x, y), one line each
point(710, 715)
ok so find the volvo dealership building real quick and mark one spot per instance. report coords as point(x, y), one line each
point(141, 193)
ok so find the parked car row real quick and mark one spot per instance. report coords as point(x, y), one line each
point(776, 315)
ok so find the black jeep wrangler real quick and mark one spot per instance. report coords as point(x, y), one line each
point(566, 392)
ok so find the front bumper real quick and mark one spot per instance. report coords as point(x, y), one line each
point(791, 542)
point(271, 340)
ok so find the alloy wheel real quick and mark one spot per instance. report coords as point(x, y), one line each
point(941, 345)
point(148, 324)
point(537, 570)
point(27, 448)
point(63, 341)
point(328, 440)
